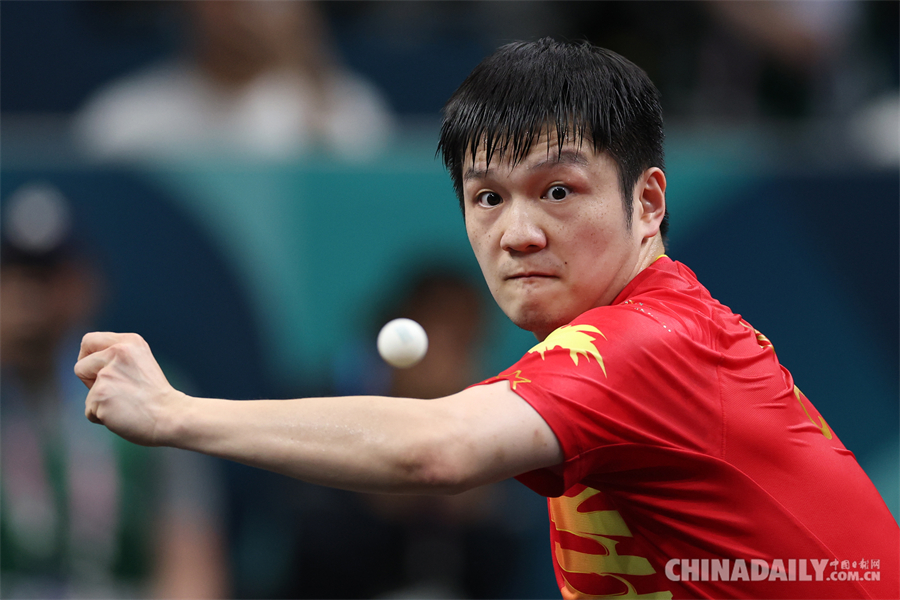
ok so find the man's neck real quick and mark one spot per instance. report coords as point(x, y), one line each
point(651, 250)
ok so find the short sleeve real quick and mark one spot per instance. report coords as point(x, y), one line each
point(618, 376)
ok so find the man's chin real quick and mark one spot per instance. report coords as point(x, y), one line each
point(537, 321)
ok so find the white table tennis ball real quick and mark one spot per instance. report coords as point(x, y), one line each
point(402, 343)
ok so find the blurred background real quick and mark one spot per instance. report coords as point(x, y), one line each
point(253, 187)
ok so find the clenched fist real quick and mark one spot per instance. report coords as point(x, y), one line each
point(129, 393)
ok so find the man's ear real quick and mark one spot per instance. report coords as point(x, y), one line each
point(650, 201)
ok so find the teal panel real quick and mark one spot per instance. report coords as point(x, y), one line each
point(316, 243)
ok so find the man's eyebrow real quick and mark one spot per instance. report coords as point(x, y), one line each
point(473, 173)
point(569, 157)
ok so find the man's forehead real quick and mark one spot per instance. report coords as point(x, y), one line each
point(544, 148)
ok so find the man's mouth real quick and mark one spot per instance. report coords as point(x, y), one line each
point(531, 275)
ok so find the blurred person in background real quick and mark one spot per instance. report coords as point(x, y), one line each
point(449, 546)
point(783, 59)
point(815, 60)
point(255, 79)
point(83, 515)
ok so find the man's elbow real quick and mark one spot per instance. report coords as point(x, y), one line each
point(440, 469)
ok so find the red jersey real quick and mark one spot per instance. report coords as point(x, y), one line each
point(694, 466)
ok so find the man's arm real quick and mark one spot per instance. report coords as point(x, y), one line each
point(363, 443)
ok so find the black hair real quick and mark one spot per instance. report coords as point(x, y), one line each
point(583, 91)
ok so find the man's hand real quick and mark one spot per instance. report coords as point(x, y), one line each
point(128, 392)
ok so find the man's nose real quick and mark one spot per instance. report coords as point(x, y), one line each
point(522, 231)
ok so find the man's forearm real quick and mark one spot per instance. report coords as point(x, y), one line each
point(362, 443)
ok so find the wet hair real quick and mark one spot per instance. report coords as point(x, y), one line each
point(588, 94)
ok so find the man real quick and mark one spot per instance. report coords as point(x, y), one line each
point(679, 457)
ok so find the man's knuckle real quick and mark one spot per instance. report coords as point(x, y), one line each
point(120, 350)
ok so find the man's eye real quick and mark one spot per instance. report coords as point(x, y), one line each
point(488, 199)
point(557, 192)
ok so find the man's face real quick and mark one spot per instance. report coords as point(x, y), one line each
point(550, 234)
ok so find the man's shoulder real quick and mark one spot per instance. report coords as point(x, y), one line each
point(664, 278)
point(663, 292)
